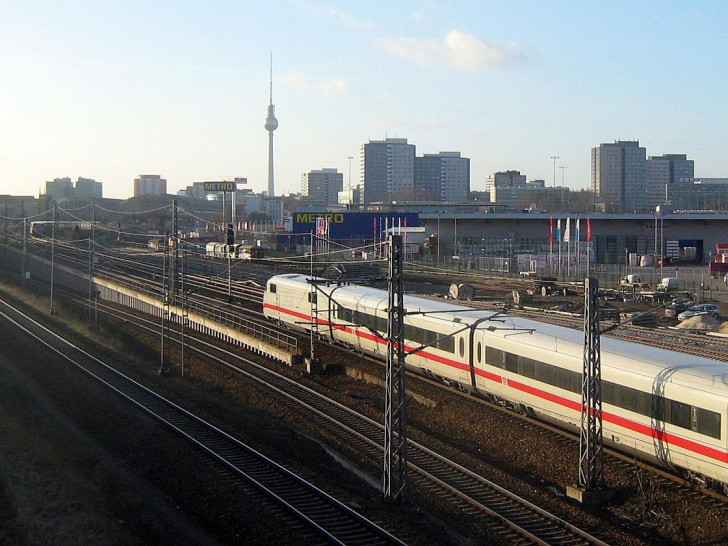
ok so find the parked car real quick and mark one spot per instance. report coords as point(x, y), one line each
point(680, 304)
point(702, 309)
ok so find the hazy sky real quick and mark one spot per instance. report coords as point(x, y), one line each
point(110, 90)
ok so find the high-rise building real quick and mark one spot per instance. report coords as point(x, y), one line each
point(388, 170)
point(322, 185)
point(619, 175)
point(443, 177)
point(150, 184)
point(681, 169)
point(658, 178)
point(63, 188)
point(88, 187)
point(504, 179)
point(59, 188)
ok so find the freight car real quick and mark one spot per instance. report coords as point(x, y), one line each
point(234, 252)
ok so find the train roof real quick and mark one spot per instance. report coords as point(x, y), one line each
point(672, 366)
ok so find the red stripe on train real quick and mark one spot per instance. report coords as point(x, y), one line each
point(646, 430)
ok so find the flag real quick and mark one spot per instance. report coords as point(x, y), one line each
point(567, 234)
point(576, 230)
point(558, 229)
point(588, 229)
point(320, 226)
point(551, 230)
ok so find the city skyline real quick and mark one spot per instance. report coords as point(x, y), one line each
point(111, 91)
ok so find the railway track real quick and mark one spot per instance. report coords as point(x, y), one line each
point(514, 519)
point(299, 502)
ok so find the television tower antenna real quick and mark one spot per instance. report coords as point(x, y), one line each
point(271, 124)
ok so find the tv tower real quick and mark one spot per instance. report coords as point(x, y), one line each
point(271, 124)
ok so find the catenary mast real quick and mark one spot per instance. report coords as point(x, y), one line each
point(271, 124)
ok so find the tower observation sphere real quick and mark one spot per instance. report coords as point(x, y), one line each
point(271, 123)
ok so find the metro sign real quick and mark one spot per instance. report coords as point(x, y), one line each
point(219, 186)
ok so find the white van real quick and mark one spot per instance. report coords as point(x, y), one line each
point(668, 284)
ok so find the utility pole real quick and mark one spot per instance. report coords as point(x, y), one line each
point(24, 265)
point(313, 332)
point(590, 488)
point(91, 244)
point(53, 256)
point(175, 242)
point(165, 309)
point(185, 312)
point(394, 479)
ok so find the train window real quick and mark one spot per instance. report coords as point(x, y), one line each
point(495, 357)
point(630, 399)
point(461, 346)
point(512, 362)
point(528, 367)
point(312, 297)
point(447, 344)
point(381, 324)
point(680, 414)
point(480, 352)
point(609, 393)
point(272, 288)
point(568, 380)
point(546, 373)
point(658, 408)
point(708, 422)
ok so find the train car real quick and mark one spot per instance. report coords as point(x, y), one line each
point(249, 252)
point(660, 405)
point(234, 252)
point(62, 228)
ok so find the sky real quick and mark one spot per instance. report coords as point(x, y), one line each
point(111, 90)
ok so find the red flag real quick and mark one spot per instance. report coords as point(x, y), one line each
point(320, 226)
point(588, 229)
point(551, 230)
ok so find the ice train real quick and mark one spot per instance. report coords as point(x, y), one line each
point(664, 406)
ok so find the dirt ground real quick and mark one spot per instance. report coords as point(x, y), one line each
point(78, 465)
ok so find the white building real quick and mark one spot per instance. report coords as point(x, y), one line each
point(150, 184)
point(322, 185)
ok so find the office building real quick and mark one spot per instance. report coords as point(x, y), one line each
point(87, 187)
point(150, 184)
point(322, 186)
point(619, 176)
point(442, 177)
point(388, 170)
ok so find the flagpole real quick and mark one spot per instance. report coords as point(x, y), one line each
point(568, 247)
point(558, 240)
point(551, 246)
point(578, 248)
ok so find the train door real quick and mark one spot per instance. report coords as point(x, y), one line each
point(463, 356)
point(274, 296)
point(476, 355)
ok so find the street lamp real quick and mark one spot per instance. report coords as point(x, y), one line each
point(563, 169)
point(660, 216)
point(554, 157)
point(349, 197)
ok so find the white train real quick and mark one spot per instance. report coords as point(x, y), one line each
point(661, 405)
